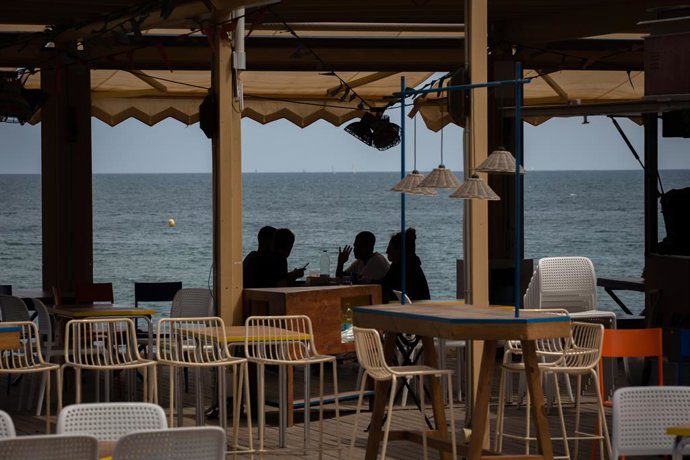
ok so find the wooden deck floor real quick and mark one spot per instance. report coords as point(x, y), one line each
point(408, 416)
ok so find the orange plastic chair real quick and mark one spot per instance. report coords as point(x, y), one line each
point(628, 343)
point(93, 292)
point(631, 343)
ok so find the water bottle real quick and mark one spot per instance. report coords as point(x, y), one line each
point(325, 264)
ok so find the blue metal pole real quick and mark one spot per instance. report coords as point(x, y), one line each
point(403, 255)
point(518, 180)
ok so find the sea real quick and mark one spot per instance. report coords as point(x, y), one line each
point(596, 214)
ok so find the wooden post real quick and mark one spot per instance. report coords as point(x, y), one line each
point(476, 216)
point(227, 185)
point(66, 175)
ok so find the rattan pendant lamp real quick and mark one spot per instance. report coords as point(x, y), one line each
point(410, 183)
point(440, 177)
point(501, 161)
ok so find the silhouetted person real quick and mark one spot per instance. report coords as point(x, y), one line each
point(416, 285)
point(256, 265)
point(369, 266)
point(282, 246)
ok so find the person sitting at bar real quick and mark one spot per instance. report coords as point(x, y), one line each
point(369, 266)
point(255, 271)
point(278, 274)
point(416, 286)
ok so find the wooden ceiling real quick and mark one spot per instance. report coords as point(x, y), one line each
point(548, 34)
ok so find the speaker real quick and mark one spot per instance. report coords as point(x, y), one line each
point(675, 123)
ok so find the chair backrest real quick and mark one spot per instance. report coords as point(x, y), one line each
point(199, 443)
point(110, 421)
point(59, 447)
point(13, 309)
point(101, 342)
point(155, 292)
point(25, 351)
point(93, 292)
point(279, 339)
point(370, 353)
point(6, 289)
point(190, 302)
point(45, 323)
point(563, 282)
point(6, 426)
point(633, 343)
point(181, 340)
point(584, 350)
point(641, 416)
point(398, 294)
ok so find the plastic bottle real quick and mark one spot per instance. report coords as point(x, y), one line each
point(325, 264)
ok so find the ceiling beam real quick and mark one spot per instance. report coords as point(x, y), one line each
point(319, 54)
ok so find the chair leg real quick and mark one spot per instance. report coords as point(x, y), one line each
point(421, 410)
point(359, 408)
point(602, 417)
point(337, 406)
point(578, 390)
point(452, 416)
point(222, 399)
point(500, 412)
point(307, 406)
point(77, 377)
point(321, 409)
point(248, 403)
point(47, 387)
point(560, 414)
point(171, 394)
point(261, 416)
point(387, 428)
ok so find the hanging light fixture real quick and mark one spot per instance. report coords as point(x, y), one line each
point(501, 161)
point(475, 189)
point(440, 177)
point(375, 130)
point(410, 183)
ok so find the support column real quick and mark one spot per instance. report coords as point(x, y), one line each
point(476, 247)
point(227, 186)
point(67, 214)
point(651, 194)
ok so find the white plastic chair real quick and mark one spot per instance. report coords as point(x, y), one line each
point(563, 282)
point(6, 426)
point(106, 344)
point(27, 358)
point(282, 341)
point(641, 416)
point(53, 446)
point(110, 421)
point(371, 357)
point(198, 443)
point(182, 343)
point(188, 302)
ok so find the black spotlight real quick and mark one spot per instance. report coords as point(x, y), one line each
point(375, 130)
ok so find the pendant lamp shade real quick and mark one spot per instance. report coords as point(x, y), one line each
point(410, 184)
point(500, 161)
point(475, 189)
point(440, 177)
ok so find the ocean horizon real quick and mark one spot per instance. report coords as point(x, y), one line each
point(596, 214)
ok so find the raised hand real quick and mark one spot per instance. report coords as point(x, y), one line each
point(344, 254)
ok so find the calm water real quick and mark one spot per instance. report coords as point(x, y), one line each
point(594, 214)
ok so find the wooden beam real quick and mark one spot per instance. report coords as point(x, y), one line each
point(227, 187)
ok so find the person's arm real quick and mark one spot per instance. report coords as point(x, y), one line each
point(343, 255)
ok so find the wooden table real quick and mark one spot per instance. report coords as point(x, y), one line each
point(468, 322)
point(621, 284)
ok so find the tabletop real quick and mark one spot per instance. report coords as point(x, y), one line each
point(462, 321)
point(91, 310)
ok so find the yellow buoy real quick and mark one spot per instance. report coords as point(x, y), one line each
point(171, 222)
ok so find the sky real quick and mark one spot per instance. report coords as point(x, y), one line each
point(172, 147)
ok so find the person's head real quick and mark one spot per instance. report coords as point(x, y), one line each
point(265, 237)
point(364, 245)
point(283, 241)
point(394, 250)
